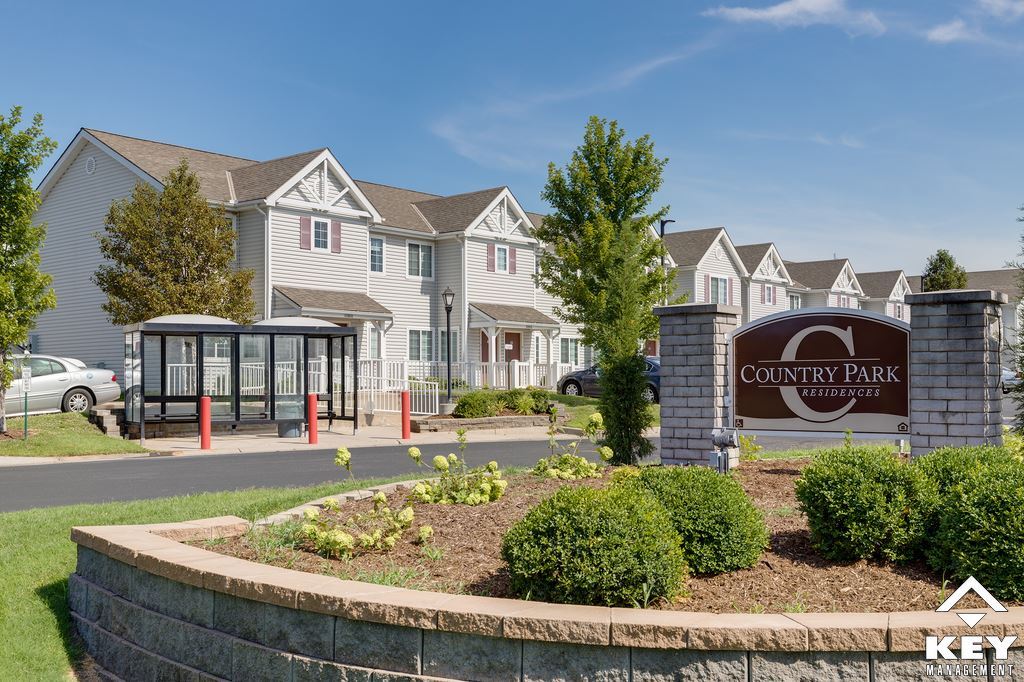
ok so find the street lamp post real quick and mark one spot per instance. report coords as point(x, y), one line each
point(664, 222)
point(449, 300)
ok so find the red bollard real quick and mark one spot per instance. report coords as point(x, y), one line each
point(313, 418)
point(406, 410)
point(205, 404)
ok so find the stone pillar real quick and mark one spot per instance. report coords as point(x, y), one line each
point(955, 396)
point(694, 378)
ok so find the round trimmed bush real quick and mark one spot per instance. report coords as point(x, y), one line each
point(477, 404)
point(865, 503)
point(950, 467)
point(720, 529)
point(981, 531)
point(611, 547)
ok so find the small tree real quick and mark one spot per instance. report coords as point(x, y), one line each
point(602, 262)
point(24, 291)
point(942, 273)
point(170, 252)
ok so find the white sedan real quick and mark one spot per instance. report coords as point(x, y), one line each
point(59, 385)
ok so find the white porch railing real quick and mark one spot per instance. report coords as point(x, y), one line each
point(470, 374)
point(379, 394)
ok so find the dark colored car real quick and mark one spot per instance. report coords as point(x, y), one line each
point(585, 381)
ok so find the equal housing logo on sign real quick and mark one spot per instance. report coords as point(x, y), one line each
point(822, 370)
point(948, 659)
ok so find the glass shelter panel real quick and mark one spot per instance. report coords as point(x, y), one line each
point(218, 374)
point(254, 376)
point(288, 377)
point(317, 375)
point(133, 375)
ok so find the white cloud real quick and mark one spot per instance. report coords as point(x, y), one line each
point(1003, 9)
point(804, 13)
point(842, 140)
point(955, 31)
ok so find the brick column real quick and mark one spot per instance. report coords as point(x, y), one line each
point(955, 397)
point(694, 378)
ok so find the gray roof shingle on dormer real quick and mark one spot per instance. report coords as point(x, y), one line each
point(689, 246)
point(395, 205)
point(457, 212)
point(818, 274)
point(879, 284)
point(752, 255)
point(260, 180)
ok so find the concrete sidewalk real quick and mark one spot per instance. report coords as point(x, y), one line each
point(341, 435)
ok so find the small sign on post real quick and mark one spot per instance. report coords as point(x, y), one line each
point(26, 386)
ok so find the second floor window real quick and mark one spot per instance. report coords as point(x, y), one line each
point(769, 294)
point(421, 345)
point(376, 254)
point(720, 290)
point(321, 235)
point(501, 258)
point(794, 302)
point(420, 260)
point(898, 311)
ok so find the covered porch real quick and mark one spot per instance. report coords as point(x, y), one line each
point(504, 348)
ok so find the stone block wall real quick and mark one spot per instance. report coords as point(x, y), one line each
point(955, 369)
point(694, 378)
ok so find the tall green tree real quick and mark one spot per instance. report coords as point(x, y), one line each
point(602, 261)
point(942, 272)
point(24, 290)
point(171, 252)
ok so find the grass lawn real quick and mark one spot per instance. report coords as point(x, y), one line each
point(579, 408)
point(36, 557)
point(64, 434)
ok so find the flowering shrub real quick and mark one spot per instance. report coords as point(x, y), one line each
point(564, 463)
point(456, 483)
point(378, 529)
point(343, 459)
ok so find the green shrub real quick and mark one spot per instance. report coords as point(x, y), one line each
point(981, 531)
point(567, 467)
point(720, 529)
point(950, 467)
point(477, 404)
point(613, 547)
point(865, 503)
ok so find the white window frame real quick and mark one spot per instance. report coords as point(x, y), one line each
point(442, 346)
point(497, 261)
point(383, 260)
point(795, 298)
point(420, 244)
point(771, 294)
point(898, 309)
point(573, 346)
point(312, 235)
point(422, 333)
point(374, 336)
point(723, 290)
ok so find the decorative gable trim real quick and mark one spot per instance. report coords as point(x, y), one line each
point(513, 218)
point(325, 163)
point(772, 268)
point(847, 281)
point(723, 242)
point(900, 289)
point(71, 153)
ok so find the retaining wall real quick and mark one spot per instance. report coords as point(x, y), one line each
point(149, 607)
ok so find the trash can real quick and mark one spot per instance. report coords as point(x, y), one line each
point(289, 429)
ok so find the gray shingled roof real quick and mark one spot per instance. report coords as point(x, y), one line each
point(752, 255)
point(342, 302)
point(818, 274)
point(157, 159)
point(455, 213)
point(1003, 280)
point(513, 313)
point(878, 284)
point(688, 247)
point(260, 180)
point(395, 205)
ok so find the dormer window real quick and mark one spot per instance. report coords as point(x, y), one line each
point(321, 235)
point(501, 258)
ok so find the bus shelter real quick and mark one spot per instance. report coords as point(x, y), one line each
point(253, 374)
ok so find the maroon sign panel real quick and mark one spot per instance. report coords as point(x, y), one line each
point(822, 370)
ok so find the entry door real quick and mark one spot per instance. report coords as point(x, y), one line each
point(515, 339)
point(485, 348)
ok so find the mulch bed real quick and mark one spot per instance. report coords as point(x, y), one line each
point(790, 577)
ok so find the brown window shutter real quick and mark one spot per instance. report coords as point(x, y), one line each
point(335, 236)
point(511, 260)
point(490, 258)
point(707, 288)
point(305, 242)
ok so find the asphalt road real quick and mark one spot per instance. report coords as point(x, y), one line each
point(51, 485)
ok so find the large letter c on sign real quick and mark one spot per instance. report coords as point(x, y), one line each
point(791, 396)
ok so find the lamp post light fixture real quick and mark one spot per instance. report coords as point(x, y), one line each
point(664, 222)
point(449, 301)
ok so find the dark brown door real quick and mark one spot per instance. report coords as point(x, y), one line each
point(514, 339)
point(485, 348)
point(651, 348)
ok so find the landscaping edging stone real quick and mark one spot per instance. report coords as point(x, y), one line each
point(149, 607)
point(450, 424)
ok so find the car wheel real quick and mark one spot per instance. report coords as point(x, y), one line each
point(650, 394)
point(571, 388)
point(77, 400)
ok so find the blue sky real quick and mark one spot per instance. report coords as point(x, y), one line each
point(873, 129)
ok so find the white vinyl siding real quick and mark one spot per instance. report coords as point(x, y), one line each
point(409, 299)
point(249, 253)
point(292, 266)
point(74, 210)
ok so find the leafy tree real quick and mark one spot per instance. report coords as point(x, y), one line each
point(602, 261)
point(24, 290)
point(170, 252)
point(942, 272)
